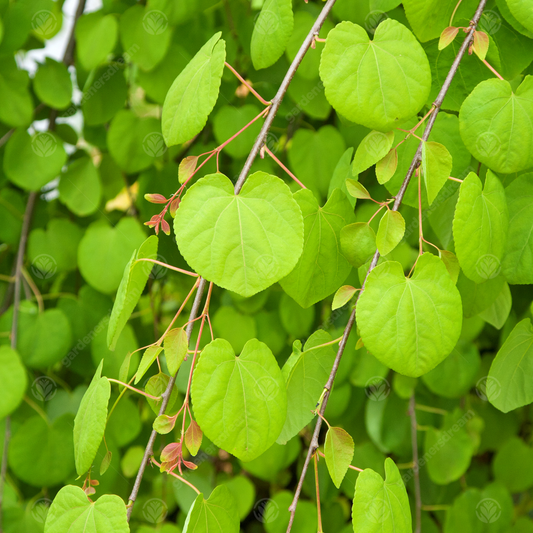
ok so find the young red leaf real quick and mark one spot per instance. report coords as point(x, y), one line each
point(164, 424)
point(190, 465)
point(338, 450)
point(357, 190)
point(187, 167)
point(165, 226)
point(174, 206)
point(386, 167)
point(176, 345)
point(171, 452)
point(342, 296)
point(481, 44)
point(193, 438)
point(155, 198)
point(447, 36)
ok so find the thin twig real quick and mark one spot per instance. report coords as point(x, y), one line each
point(416, 471)
point(148, 452)
point(399, 197)
point(276, 101)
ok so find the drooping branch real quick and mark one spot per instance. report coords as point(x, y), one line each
point(313, 446)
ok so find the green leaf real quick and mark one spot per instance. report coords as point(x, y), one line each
point(381, 505)
point(242, 243)
point(149, 356)
point(342, 172)
point(41, 453)
point(390, 232)
point(322, 267)
point(357, 190)
point(358, 243)
point(193, 437)
point(498, 312)
point(452, 264)
point(372, 149)
point(343, 296)
point(31, 162)
point(176, 345)
point(193, 94)
point(517, 262)
point(52, 84)
point(456, 375)
point(233, 326)
point(79, 188)
point(306, 374)
point(386, 167)
point(156, 386)
point(436, 168)
point(495, 125)
point(90, 421)
point(272, 30)
point(14, 89)
point(521, 10)
point(410, 324)
point(72, 511)
point(511, 369)
point(13, 378)
point(131, 287)
point(104, 252)
point(513, 465)
point(239, 402)
point(379, 83)
point(480, 227)
point(96, 36)
point(134, 142)
point(338, 449)
point(217, 514)
point(145, 36)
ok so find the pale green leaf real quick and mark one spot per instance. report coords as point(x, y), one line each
point(410, 324)
point(521, 10)
point(131, 286)
point(306, 374)
point(149, 356)
point(242, 243)
point(322, 267)
point(193, 437)
point(96, 36)
point(13, 379)
point(72, 511)
point(217, 514)
point(436, 168)
point(90, 421)
point(386, 167)
point(379, 83)
point(357, 190)
point(194, 93)
point(498, 312)
point(343, 296)
point(495, 124)
point(381, 505)
point(239, 402)
point(511, 369)
point(272, 30)
point(390, 232)
point(338, 450)
point(52, 84)
point(79, 188)
point(176, 345)
point(358, 243)
point(480, 227)
point(373, 147)
point(517, 263)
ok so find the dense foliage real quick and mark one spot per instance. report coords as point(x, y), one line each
point(186, 340)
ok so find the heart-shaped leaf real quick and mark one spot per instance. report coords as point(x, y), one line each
point(338, 450)
point(242, 243)
point(390, 232)
point(379, 83)
point(239, 402)
point(436, 167)
point(410, 324)
point(358, 243)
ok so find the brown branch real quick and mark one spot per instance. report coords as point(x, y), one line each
point(148, 452)
point(276, 101)
point(399, 197)
point(416, 471)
